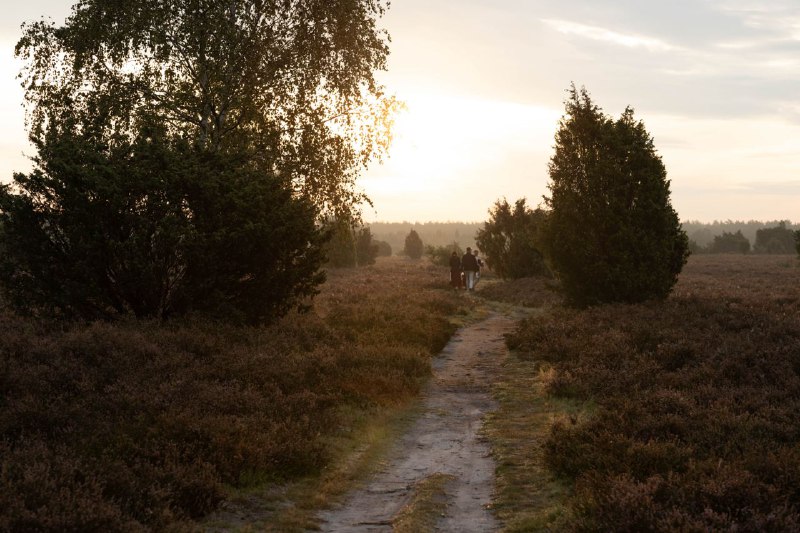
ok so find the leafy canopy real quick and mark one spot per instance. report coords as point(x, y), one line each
point(289, 82)
point(154, 229)
point(186, 150)
point(350, 244)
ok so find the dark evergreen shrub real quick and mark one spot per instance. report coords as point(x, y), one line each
point(729, 243)
point(384, 249)
point(796, 241)
point(612, 234)
point(366, 248)
point(509, 240)
point(414, 247)
point(777, 240)
point(153, 228)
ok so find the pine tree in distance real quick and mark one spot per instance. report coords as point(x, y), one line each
point(414, 247)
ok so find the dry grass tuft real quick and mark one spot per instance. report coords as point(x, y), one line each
point(426, 507)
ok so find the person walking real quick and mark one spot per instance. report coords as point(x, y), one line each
point(455, 270)
point(470, 266)
point(479, 262)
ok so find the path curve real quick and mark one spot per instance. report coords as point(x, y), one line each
point(444, 439)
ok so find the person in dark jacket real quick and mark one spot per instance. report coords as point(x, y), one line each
point(455, 270)
point(470, 266)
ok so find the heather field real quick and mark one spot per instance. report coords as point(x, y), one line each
point(146, 426)
point(682, 415)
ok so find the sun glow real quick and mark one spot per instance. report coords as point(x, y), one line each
point(12, 128)
point(442, 144)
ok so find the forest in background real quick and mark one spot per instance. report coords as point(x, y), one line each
point(431, 233)
point(445, 233)
point(703, 233)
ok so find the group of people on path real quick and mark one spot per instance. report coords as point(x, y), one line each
point(466, 270)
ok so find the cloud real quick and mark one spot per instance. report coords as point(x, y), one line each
point(777, 17)
point(597, 33)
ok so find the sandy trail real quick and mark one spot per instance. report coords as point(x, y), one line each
point(444, 439)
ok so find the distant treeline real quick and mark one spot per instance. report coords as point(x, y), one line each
point(445, 233)
point(431, 233)
point(704, 234)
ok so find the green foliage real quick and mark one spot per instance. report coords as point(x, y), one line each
point(258, 250)
point(414, 247)
point(185, 151)
point(729, 243)
point(510, 240)
point(777, 240)
point(340, 248)
point(612, 234)
point(153, 228)
point(293, 84)
point(440, 255)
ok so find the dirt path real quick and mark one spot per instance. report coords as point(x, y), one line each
point(443, 440)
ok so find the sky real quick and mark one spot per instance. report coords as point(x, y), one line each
point(716, 83)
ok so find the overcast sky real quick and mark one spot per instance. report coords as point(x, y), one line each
point(716, 82)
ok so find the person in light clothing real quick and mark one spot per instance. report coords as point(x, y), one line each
point(479, 261)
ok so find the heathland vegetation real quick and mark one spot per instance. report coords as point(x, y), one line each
point(160, 347)
point(675, 415)
point(195, 170)
point(137, 424)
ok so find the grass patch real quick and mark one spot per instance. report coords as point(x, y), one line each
point(426, 507)
point(528, 497)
